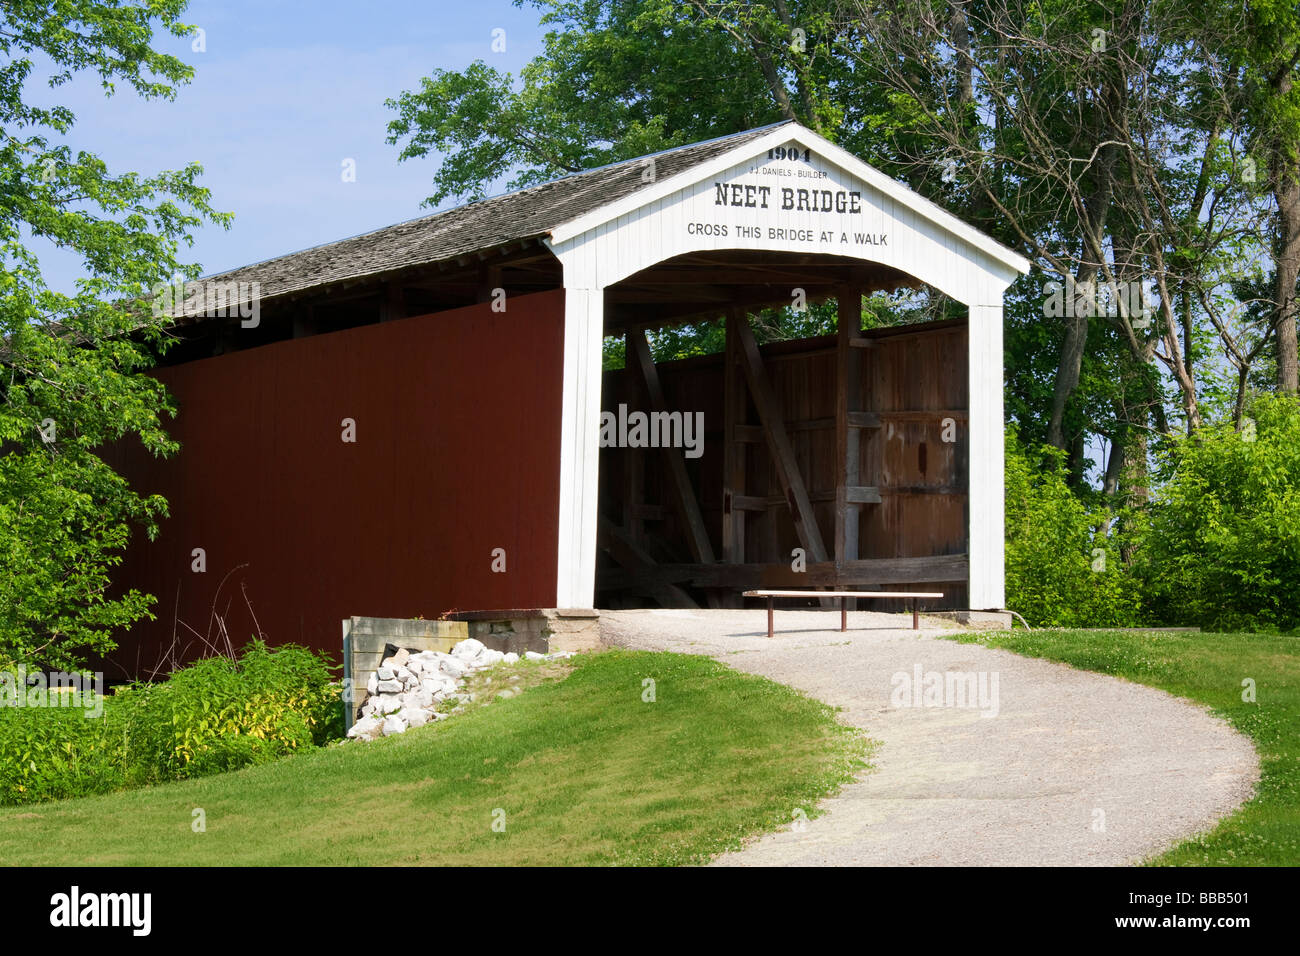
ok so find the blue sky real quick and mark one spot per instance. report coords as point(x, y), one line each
point(284, 92)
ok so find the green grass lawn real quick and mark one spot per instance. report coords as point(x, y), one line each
point(1208, 668)
point(580, 770)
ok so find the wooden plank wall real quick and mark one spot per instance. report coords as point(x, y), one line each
point(913, 379)
point(457, 419)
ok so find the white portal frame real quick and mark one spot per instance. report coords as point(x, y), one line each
point(648, 226)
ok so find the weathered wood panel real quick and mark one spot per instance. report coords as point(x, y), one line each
point(911, 470)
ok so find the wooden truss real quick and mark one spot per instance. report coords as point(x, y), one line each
point(747, 383)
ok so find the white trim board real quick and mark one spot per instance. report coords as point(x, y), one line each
point(818, 144)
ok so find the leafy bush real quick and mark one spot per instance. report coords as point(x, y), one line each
point(219, 714)
point(1224, 550)
point(1061, 571)
point(48, 753)
point(213, 716)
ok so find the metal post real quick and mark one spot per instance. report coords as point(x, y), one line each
point(844, 615)
point(916, 626)
point(769, 616)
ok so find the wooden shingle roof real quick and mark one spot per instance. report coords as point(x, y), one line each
point(486, 224)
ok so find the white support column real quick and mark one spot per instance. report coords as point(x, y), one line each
point(986, 544)
point(584, 320)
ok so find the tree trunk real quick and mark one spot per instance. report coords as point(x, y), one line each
point(1286, 190)
point(1067, 376)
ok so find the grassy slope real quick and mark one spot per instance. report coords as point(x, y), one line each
point(1208, 668)
point(586, 772)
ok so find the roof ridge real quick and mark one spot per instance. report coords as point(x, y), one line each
point(567, 177)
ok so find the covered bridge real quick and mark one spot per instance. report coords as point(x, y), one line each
point(409, 423)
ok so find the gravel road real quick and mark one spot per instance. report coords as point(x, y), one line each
point(1068, 768)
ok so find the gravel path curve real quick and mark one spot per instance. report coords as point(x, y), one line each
point(1069, 768)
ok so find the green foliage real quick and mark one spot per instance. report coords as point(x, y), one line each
point(214, 716)
point(71, 363)
point(1217, 547)
point(1061, 569)
point(615, 81)
point(1224, 549)
point(51, 753)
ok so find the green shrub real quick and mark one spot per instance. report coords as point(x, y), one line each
point(48, 753)
point(218, 714)
point(210, 717)
point(1061, 571)
point(1224, 549)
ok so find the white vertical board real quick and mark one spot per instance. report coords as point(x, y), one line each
point(579, 448)
point(986, 542)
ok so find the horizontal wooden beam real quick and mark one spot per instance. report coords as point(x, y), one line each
point(713, 275)
point(956, 414)
point(858, 494)
point(871, 572)
point(862, 495)
point(754, 433)
point(864, 420)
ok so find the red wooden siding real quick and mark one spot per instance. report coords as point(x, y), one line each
point(457, 453)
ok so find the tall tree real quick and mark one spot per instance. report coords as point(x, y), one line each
point(618, 80)
point(1103, 138)
point(72, 362)
point(1273, 86)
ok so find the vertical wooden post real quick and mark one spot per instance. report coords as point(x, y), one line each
point(848, 398)
point(304, 322)
point(489, 280)
point(394, 304)
point(575, 575)
point(985, 532)
point(778, 443)
point(632, 459)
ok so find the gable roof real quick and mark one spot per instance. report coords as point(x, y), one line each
point(559, 210)
point(779, 134)
point(485, 224)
